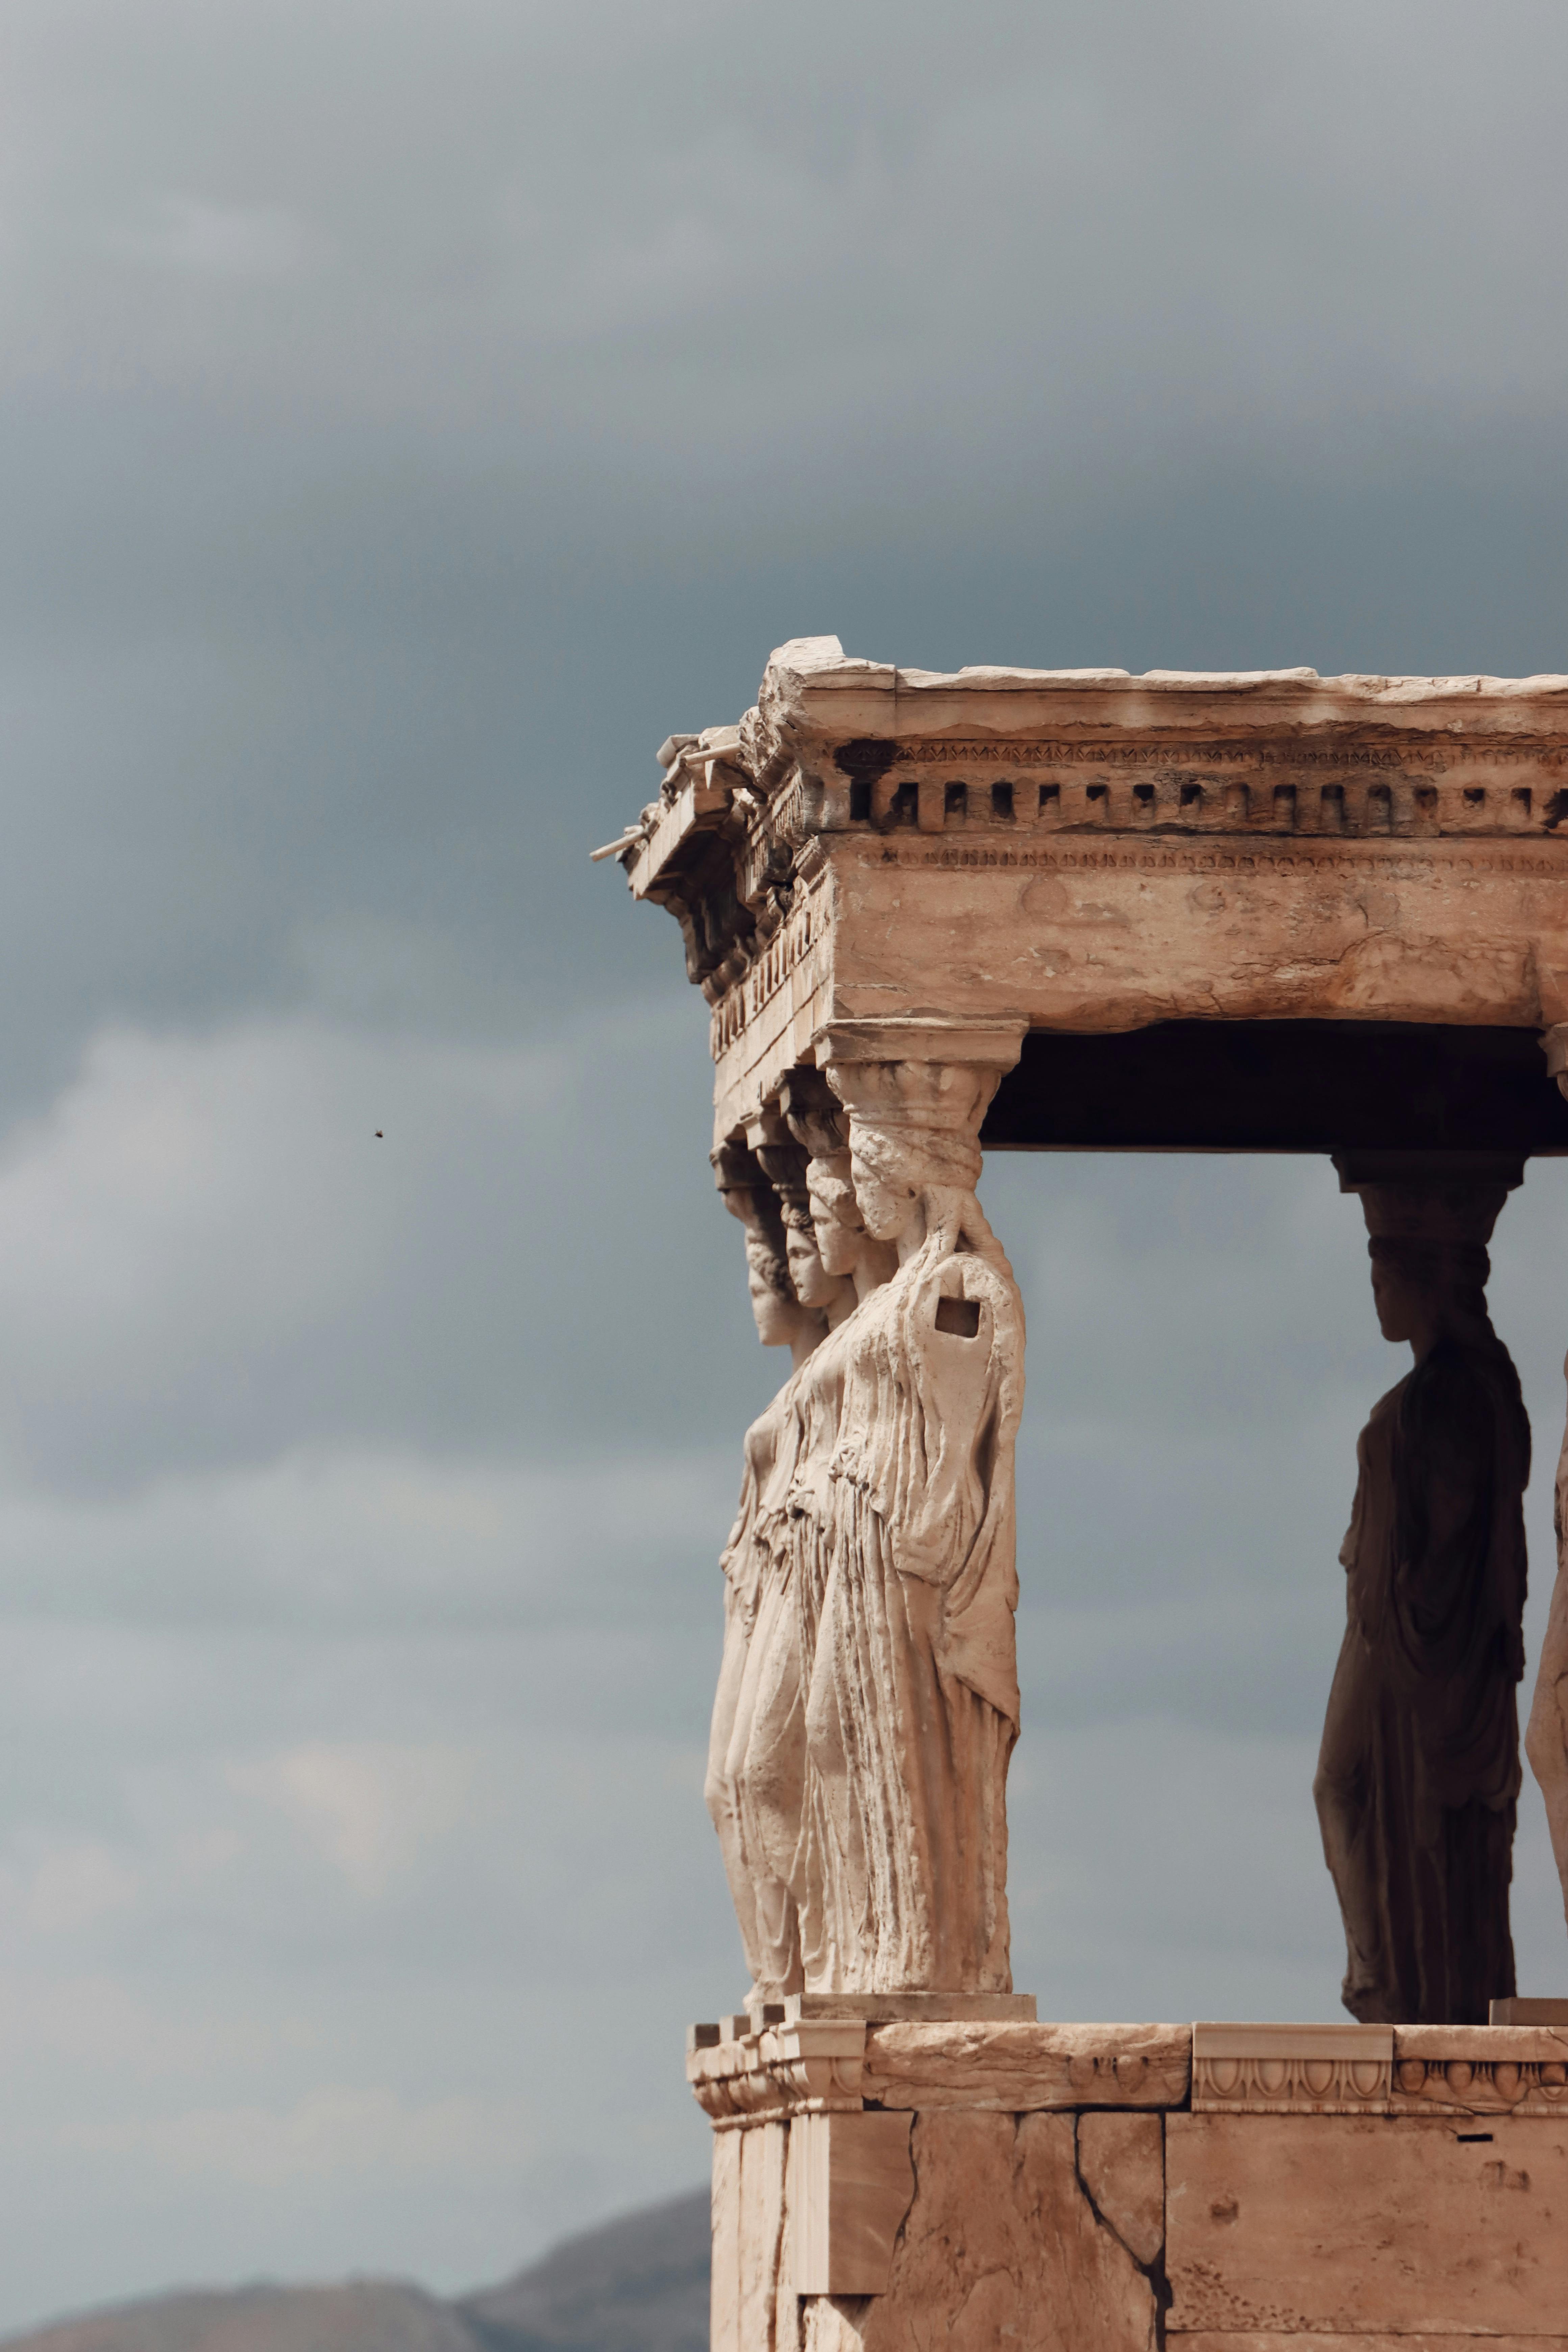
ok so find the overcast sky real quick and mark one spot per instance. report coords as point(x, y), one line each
point(410, 411)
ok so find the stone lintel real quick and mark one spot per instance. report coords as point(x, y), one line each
point(1104, 936)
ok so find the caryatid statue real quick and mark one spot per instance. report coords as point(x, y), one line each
point(869, 1702)
point(773, 1574)
point(909, 1414)
point(1418, 1777)
point(753, 1570)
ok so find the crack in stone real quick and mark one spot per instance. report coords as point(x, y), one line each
point(1154, 2272)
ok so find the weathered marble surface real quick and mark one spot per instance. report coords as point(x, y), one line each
point(1121, 2164)
point(1003, 2244)
point(1018, 2067)
point(1356, 2225)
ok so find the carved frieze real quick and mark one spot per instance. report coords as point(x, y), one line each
point(1314, 2070)
point(1489, 2070)
point(1380, 2070)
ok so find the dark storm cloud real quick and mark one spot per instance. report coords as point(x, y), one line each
point(412, 413)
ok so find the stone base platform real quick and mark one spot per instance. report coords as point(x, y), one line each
point(912, 2185)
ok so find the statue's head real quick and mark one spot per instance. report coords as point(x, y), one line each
point(816, 1283)
point(1422, 1287)
point(836, 1223)
point(1429, 1229)
point(784, 1161)
point(780, 1316)
point(819, 1124)
point(914, 1139)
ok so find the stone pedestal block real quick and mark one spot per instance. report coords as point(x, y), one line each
point(889, 2186)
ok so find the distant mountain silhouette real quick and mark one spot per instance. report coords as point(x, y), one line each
point(637, 2284)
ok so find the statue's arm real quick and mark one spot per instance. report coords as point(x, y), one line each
point(957, 1343)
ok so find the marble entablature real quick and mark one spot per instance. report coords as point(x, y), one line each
point(1086, 850)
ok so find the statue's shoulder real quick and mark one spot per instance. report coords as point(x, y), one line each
point(962, 1295)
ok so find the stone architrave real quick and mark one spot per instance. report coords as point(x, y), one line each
point(1418, 1779)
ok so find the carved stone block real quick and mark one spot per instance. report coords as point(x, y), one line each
point(1001, 2247)
point(739, 2076)
point(1015, 2068)
point(850, 2186)
point(1357, 2225)
point(1315, 2070)
point(1481, 2069)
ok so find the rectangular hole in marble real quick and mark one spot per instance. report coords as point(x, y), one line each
point(1002, 802)
point(959, 1316)
point(956, 801)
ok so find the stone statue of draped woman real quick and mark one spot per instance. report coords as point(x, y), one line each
point(755, 1565)
point(756, 1779)
point(1419, 1773)
point(902, 1495)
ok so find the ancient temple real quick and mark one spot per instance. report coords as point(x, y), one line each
point(934, 916)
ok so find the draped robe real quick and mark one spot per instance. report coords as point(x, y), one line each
point(1420, 1772)
point(903, 1496)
